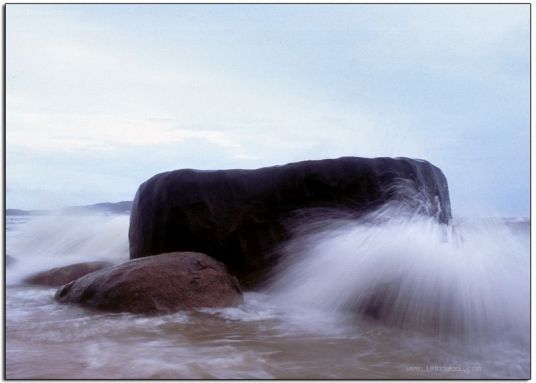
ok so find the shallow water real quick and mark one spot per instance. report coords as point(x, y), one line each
point(272, 335)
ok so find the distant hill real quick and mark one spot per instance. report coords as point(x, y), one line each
point(123, 207)
point(25, 212)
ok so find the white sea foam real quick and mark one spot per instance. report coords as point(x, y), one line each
point(44, 242)
point(408, 270)
point(468, 280)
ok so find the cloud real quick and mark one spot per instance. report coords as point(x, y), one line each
point(73, 132)
point(88, 101)
point(249, 86)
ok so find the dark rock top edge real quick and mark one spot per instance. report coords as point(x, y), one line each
point(288, 164)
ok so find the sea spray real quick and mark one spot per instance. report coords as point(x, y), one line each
point(263, 338)
point(468, 279)
point(44, 242)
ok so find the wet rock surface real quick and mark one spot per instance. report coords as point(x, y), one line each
point(159, 284)
point(62, 275)
point(239, 217)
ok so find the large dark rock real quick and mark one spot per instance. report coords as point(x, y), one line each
point(65, 274)
point(160, 284)
point(239, 216)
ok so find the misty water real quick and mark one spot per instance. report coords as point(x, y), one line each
point(387, 296)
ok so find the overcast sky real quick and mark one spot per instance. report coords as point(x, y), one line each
point(102, 97)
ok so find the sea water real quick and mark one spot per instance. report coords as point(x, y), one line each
point(384, 296)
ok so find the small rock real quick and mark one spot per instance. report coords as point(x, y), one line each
point(62, 275)
point(158, 284)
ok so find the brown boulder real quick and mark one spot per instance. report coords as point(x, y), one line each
point(159, 284)
point(62, 275)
